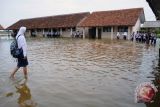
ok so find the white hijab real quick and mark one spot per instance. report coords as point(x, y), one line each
point(21, 31)
point(21, 40)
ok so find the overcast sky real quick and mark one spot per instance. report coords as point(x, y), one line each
point(14, 10)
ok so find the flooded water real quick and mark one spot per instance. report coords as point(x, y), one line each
point(78, 73)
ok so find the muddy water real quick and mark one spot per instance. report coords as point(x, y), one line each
point(78, 73)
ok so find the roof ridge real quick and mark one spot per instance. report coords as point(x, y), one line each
point(118, 10)
point(55, 15)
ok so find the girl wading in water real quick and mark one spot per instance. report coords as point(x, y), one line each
point(22, 62)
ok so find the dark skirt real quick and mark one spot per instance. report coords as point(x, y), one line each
point(22, 62)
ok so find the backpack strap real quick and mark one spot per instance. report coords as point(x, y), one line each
point(18, 37)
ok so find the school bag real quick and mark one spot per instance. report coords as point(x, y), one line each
point(14, 50)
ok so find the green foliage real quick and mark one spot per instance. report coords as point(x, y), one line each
point(158, 35)
point(157, 31)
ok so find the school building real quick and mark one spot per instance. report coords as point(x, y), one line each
point(100, 24)
point(2, 31)
point(62, 25)
point(106, 24)
point(1, 28)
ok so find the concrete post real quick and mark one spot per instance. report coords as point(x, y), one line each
point(43, 33)
point(8, 33)
point(36, 32)
point(29, 33)
point(111, 33)
point(71, 32)
point(51, 32)
point(96, 32)
point(61, 32)
point(129, 33)
point(84, 33)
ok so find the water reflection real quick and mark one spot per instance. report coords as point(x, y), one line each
point(79, 73)
point(25, 97)
point(23, 92)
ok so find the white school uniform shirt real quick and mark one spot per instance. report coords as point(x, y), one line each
point(118, 34)
point(125, 33)
point(22, 41)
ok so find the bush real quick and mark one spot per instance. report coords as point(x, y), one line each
point(158, 35)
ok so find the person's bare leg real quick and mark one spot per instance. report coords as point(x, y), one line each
point(13, 72)
point(25, 71)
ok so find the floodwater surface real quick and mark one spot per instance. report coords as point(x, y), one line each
point(78, 73)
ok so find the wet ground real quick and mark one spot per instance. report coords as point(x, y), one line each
point(78, 73)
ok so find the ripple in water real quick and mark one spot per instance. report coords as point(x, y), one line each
point(78, 73)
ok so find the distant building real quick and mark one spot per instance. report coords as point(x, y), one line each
point(106, 24)
point(101, 24)
point(149, 25)
point(63, 25)
point(1, 28)
point(2, 32)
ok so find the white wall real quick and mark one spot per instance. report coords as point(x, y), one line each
point(85, 31)
point(28, 34)
point(106, 35)
point(40, 34)
point(66, 33)
point(115, 29)
point(137, 26)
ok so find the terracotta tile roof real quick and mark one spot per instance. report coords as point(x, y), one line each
point(1, 28)
point(59, 21)
point(126, 17)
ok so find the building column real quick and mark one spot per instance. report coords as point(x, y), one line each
point(29, 33)
point(111, 33)
point(51, 32)
point(71, 32)
point(61, 32)
point(134, 37)
point(96, 32)
point(8, 33)
point(129, 33)
point(36, 32)
point(43, 33)
point(84, 33)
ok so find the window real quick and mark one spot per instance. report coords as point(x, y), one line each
point(39, 30)
point(63, 29)
point(106, 29)
point(122, 29)
point(74, 29)
point(68, 29)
